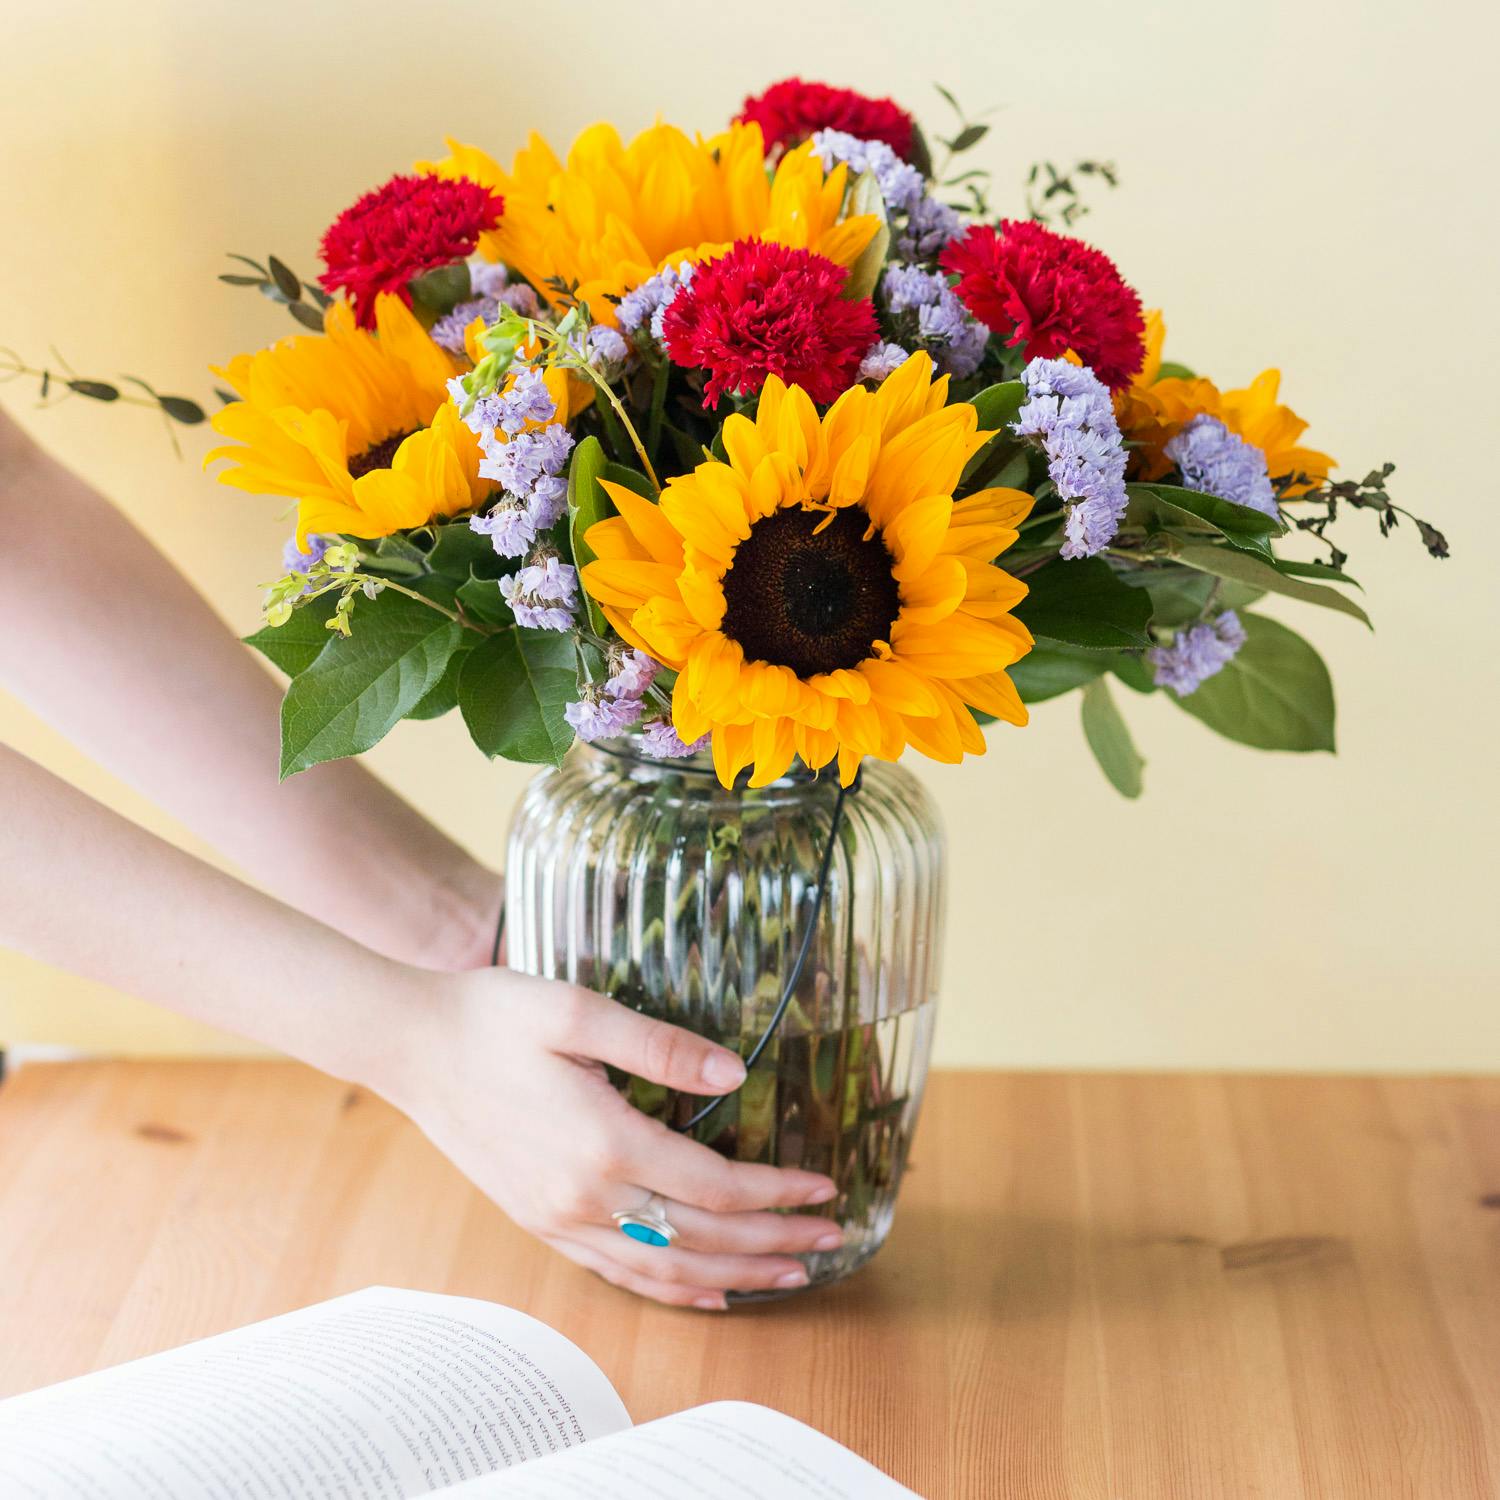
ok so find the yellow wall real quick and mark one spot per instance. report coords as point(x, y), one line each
point(1309, 185)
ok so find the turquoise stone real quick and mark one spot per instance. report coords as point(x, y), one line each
point(645, 1233)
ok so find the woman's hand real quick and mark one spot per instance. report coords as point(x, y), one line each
point(506, 1076)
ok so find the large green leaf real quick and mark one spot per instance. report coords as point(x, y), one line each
point(997, 406)
point(1275, 694)
point(587, 505)
point(358, 689)
point(1083, 603)
point(512, 691)
point(1240, 525)
point(295, 646)
point(1109, 739)
point(459, 552)
point(1179, 595)
point(1240, 567)
point(1050, 671)
point(442, 697)
point(482, 600)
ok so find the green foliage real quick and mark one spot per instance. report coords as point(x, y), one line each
point(1109, 739)
point(442, 698)
point(1168, 506)
point(1274, 695)
point(865, 197)
point(358, 688)
point(1240, 567)
point(588, 504)
point(277, 282)
point(295, 646)
point(512, 691)
point(997, 406)
point(1050, 671)
point(1051, 194)
point(1084, 603)
point(1171, 370)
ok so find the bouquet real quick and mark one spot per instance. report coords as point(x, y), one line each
point(773, 444)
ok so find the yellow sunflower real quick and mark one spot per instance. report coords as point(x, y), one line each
point(613, 214)
point(822, 594)
point(1152, 411)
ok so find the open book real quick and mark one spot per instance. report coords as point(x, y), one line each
point(385, 1394)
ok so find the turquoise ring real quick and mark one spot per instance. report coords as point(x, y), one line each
point(647, 1225)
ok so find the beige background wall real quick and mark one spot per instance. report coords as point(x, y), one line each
point(1309, 184)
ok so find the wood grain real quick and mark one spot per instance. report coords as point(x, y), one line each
point(1099, 1287)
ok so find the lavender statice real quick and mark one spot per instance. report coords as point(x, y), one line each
point(661, 741)
point(529, 468)
point(606, 350)
point(521, 299)
point(1196, 654)
point(955, 337)
point(488, 278)
point(1215, 461)
point(448, 331)
point(929, 226)
point(544, 594)
point(517, 465)
point(510, 527)
point(597, 716)
point(881, 359)
point(900, 183)
point(295, 560)
point(1069, 413)
point(644, 306)
point(631, 673)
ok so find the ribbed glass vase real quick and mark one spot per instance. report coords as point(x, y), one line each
point(650, 882)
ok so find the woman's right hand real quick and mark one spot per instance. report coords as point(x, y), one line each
point(507, 1078)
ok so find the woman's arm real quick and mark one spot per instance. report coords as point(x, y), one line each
point(504, 1072)
point(105, 639)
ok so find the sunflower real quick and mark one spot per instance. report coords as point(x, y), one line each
point(356, 427)
point(613, 214)
point(821, 594)
point(1151, 412)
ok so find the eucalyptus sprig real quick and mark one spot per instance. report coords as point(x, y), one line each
point(1053, 194)
point(1368, 493)
point(277, 282)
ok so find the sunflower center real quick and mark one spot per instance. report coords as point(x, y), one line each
point(814, 601)
point(377, 457)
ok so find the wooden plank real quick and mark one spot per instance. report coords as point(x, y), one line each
point(1099, 1286)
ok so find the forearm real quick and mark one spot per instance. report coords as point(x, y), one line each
point(87, 890)
point(103, 637)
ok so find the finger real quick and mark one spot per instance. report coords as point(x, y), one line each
point(594, 1027)
point(739, 1273)
point(674, 1294)
point(753, 1233)
point(645, 1152)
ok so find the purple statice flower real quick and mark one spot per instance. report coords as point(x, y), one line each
point(448, 331)
point(907, 287)
point(597, 716)
point(527, 400)
point(510, 527)
point(644, 305)
point(521, 299)
point(928, 228)
point(1197, 653)
point(544, 594)
point(662, 742)
point(632, 672)
point(547, 501)
point(529, 456)
point(606, 349)
point(295, 560)
point(488, 278)
point(900, 183)
point(1070, 414)
point(1215, 461)
point(880, 360)
point(961, 338)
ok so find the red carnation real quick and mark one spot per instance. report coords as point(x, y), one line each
point(1050, 293)
point(790, 111)
point(767, 309)
point(395, 232)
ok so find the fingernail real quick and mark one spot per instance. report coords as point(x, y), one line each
point(723, 1070)
point(792, 1278)
point(829, 1242)
point(710, 1304)
point(821, 1194)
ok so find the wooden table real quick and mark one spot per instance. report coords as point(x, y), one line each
point(1098, 1288)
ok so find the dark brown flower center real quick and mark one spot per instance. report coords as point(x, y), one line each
point(811, 600)
point(377, 457)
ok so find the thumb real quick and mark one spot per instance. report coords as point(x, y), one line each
point(603, 1030)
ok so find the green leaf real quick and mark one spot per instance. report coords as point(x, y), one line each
point(1050, 671)
point(442, 698)
point(1109, 739)
point(1316, 570)
point(295, 646)
point(233, 278)
point(970, 135)
point(460, 553)
point(399, 556)
point(482, 599)
point(357, 690)
point(308, 317)
point(865, 197)
point(1131, 669)
point(1171, 370)
point(285, 279)
point(632, 479)
point(1275, 694)
point(1083, 603)
point(183, 410)
point(1223, 562)
point(512, 691)
point(1240, 525)
point(588, 504)
point(441, 290)
point(997, 406)
point(95, 390)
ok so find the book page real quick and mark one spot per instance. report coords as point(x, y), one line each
point(730, 1450)
point(375, 1396)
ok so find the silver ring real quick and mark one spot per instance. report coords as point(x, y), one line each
point(648, 1224)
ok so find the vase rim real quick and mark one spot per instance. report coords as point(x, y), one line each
point(627, 748)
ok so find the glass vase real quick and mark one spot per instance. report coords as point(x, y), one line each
point(648, 881)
